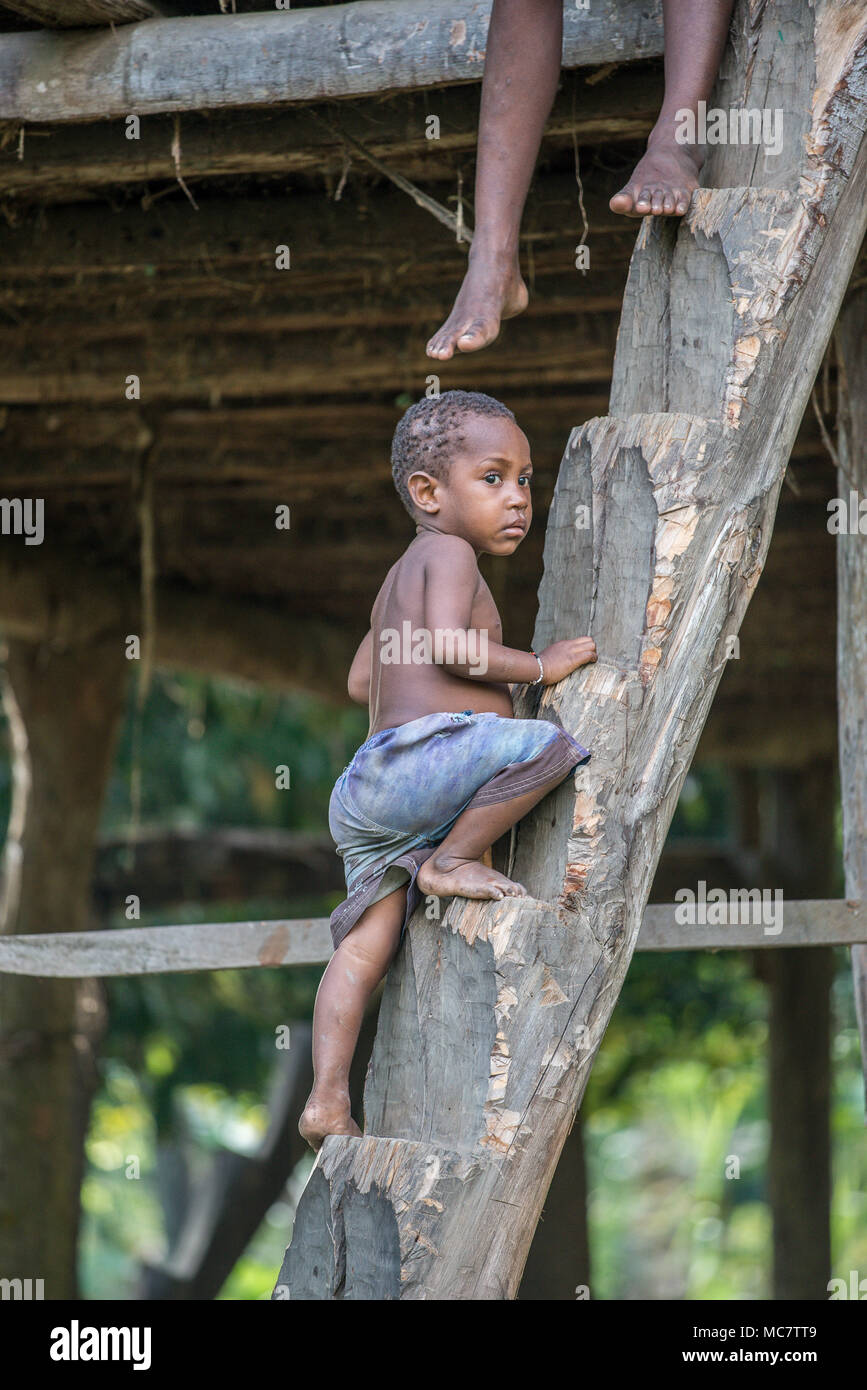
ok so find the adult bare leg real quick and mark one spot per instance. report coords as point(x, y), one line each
point(522, 68)
point(664, 179)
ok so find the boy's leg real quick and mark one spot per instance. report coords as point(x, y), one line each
point(522, 68)
point(356, 968)
point(454, 867)
point(695, 35)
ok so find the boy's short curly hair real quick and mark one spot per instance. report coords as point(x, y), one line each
point(428, 432)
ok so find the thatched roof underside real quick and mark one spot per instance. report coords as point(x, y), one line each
point(155, 258)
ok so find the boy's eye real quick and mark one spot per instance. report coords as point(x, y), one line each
point(526, 478)
point(488, 476)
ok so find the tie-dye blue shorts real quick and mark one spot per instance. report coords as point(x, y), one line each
point(406, 786)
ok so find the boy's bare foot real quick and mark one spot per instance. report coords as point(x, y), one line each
point(445, 876)
point(492, 290)
point(662, 182)
point(321, 1118)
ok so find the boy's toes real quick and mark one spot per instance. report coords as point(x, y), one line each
point(516, 890)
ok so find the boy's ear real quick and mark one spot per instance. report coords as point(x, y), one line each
point(422, 489)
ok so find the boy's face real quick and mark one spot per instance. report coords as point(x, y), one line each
point(486, 498)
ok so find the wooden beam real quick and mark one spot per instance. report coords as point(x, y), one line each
point(74, 14)
point(357, 283)
point(226, 234)
point(71, 162)
point(54, 598)
point(726, 317)
point(173, 950)
point(250, 366)
point(256, 429)
point(168, 950)
point(371, 46)
point(822, 922)
point(852, 621)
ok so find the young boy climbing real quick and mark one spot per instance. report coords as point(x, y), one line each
point(522, 69)
point(446, 768)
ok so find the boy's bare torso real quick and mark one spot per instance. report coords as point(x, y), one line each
point(410, 690)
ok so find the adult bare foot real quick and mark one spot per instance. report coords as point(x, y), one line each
point(325, 1117)
point(662, 182)
point(493, 289)
point(445, 876)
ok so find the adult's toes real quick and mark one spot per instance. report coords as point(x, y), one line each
point(441, 344)
point(474, 335)
point(668, 203)
point(642, 202)
point(657, 201)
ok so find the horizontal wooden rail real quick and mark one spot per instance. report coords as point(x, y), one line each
point(307, 941)
point(371, 46)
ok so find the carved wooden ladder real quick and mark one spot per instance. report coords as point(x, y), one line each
point(492, 1016)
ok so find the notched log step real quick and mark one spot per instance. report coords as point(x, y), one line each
point(704, 298)
point(371, 1209)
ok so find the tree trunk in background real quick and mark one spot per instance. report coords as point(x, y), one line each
point(851, 342)
point(558, 1264)
point(64, 709)
point(799, 856)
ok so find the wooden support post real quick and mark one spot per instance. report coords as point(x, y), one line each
point(798, 856)
point(64, 708)
point(851, 342)
point(656, 538)
point(558, 1265)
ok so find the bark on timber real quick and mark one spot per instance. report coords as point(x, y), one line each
point(493, 1014)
